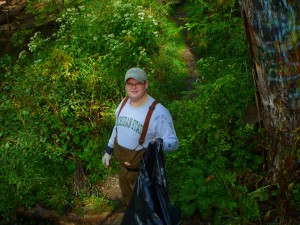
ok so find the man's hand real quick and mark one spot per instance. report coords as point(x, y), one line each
point(157, 139)
point(106, 159)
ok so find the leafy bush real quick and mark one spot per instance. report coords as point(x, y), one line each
point(220, 143)
point(215, 195)
point(217, 149)
point(59, 96)
point(58, 102)
point(28, 173)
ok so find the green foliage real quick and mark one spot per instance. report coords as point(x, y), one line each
point(69, 99)
point(28, 173)
point(295, 201)
point(170, 76)
point(45, 11)
point(215, 195)
point(58, 98)
point(214, 26)
point(217, 149)
point(19, 37)
point(131, 35)
point(93, 205)
point(58, 101)
point(25, 174)
point(128, 33)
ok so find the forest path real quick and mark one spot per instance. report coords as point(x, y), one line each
point(111, 187)
point(188, 53)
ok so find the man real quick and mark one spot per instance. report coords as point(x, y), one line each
point(132, 134)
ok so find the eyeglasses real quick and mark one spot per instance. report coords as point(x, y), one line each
point(138, 84)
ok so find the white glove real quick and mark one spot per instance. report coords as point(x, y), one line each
point(106, 159)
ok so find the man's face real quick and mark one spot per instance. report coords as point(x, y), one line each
point(135, 90)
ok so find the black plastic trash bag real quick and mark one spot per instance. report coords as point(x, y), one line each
point(150, 204)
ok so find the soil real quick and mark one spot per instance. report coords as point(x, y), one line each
point(188, 53)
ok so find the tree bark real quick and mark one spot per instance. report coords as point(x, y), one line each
point(80, 184)
point(272, 29)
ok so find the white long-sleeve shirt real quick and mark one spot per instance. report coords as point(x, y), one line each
point(130, 124)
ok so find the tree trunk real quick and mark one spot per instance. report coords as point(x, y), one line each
point(272, 29)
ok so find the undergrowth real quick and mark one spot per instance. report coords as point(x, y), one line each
point(217, 149)
point(58, 97)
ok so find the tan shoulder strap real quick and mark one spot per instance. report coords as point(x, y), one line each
point(146, 123)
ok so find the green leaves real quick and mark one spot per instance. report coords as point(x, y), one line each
point(58, 99)
point(216, 146)
point(214, 195)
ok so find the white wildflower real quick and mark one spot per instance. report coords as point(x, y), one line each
point(22, 54)
point(154, 22)
point(82, 7)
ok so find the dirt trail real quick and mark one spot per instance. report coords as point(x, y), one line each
point(112, 189)
point(188, 53)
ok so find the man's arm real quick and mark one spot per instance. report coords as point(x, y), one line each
point(166, 131)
